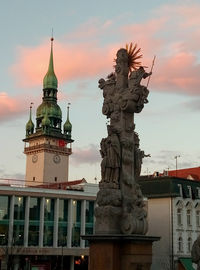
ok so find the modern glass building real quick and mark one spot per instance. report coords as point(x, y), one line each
point(40, 228)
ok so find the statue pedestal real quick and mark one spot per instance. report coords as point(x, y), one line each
point(120, 252)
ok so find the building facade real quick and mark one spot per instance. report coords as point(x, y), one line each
point(41, 228)
point(174, 215)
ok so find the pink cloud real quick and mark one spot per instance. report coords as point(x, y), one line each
point(70, 62)
point(180, 72)
point(11, 107)
point(89, 155)
point(172, 35)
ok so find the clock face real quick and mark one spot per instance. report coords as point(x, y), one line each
point(34, 158)
point(56, 158)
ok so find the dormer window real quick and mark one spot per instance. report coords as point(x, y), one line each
point(180, 190)
point(190, 191)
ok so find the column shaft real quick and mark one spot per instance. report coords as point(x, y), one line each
point(41, 232)
point(26, 223)
point(83, 218)
point(55, 229)
point(69, 227)
point(11, 221)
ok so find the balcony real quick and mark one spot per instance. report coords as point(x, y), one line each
point(48, 148)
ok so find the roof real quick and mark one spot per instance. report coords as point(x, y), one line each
point(186, 263)
point(188, 173)
point(75, 185)
point(166, 186)
point(64, 185)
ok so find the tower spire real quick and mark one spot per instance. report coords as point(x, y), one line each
point(67, 126)
point(50, 81)
point(30, 125)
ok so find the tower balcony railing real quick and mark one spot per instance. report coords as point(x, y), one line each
point(48, 147)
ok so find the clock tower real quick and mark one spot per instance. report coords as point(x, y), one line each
point(47, 148)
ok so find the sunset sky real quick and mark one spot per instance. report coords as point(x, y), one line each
point(87, 36)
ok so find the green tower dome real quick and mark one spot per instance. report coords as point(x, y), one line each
point(30, 125)
point(67, 126)
point(49, 108)
point(50, 81)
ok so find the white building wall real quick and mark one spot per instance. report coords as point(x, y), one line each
point(159, 216)
point(185, 231)
point(45, 169)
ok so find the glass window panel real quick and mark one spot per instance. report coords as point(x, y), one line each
point(62, 222)
point(76, 223)
point(4, 219)
point(89, 219)
point(89, 211)
point(19, 208)
point(19, 213)
point(48, 222)
point(34, 222)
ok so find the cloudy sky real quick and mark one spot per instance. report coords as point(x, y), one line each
point(87, 35)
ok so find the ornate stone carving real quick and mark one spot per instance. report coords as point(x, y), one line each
point(120, 207)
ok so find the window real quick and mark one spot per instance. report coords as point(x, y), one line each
point(48, 222)
point(33, 178)
point(4, 219)
point(62, 222)
point(34, 222)
point(55, 179)
point(19, 216)
point(198, 218)
point(180, 244)
point(179, 216)
point(190, 191)
point(189, 244)
point(76, 221)
point(180, 190)
point(189, 217)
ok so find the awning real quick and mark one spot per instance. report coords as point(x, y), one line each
point(187, 263)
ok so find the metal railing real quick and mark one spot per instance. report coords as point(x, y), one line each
point(46, 146)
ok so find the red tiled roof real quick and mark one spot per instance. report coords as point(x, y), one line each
point(188, 173)
point(62, 185)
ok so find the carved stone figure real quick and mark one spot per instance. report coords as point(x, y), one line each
point(110, 152)
point(120, 207)
point(196, 252)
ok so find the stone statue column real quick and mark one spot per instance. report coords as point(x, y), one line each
point(120, 207)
